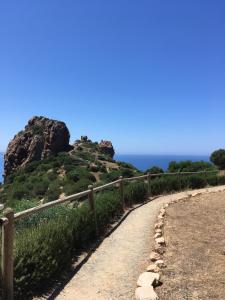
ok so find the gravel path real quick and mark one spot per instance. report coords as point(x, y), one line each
point(112, 270)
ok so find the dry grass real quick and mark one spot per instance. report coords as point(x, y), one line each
point(195, 256)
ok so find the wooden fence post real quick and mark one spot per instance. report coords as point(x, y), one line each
point(149, 184)
point(92, 206)
point(121, 187)
point(179, 180)
point(7, 255)
point(206, 178)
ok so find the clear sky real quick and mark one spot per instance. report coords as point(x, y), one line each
point(147, 74)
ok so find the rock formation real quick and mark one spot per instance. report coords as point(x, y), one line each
point(106, 147)
point(41, 138)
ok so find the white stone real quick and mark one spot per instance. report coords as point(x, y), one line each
point(148, 278)
point(159, 249)
point(153, 268)
point(159, 225)
point(160, 217)
point(145, 293)
point(160, 241)
point(157, 235)
point(154, 256)
point(162, 211)
point(160, 263)
point(158, 231)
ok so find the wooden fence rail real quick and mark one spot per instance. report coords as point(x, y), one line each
point(7, 222)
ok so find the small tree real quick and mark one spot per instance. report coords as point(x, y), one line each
point(218, 158)
point(154, 170)
point(189, 166)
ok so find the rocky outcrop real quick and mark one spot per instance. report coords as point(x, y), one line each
point(41, 138)
point(106, 147)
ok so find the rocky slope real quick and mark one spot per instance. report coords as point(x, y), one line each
point(41, 165)
point(41, 138)
point(106, 147)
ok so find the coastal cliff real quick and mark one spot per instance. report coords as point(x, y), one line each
point(41, 138)
point(40, 163)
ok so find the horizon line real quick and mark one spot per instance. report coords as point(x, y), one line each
point(163, 154)
point(153, 154)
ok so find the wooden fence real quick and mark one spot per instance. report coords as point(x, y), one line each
point(7, 222)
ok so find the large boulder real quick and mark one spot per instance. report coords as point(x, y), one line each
point(106, 147)
point(41, 138)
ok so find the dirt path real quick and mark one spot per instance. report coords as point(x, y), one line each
point(112, 271)
point(195, 255)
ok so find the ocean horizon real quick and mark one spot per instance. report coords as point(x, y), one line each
point(140, 161)
point(146, 161)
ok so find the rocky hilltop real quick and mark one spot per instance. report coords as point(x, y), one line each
point(106, 147)
point(41, 138)
point(41, 165)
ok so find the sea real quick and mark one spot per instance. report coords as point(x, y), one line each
point(141, 162)
point(144, 162)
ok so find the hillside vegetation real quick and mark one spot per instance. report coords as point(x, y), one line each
point(61, 175)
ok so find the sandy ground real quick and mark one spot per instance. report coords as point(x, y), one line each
point(112, 270)
point(195, 255)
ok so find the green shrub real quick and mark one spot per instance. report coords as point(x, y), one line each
point(212, 180)
point(42, 251)
point(196, 181)
point(91, 177)
point(21, 205)
point(21, 178)
point(52, 176)
point(103, 169)
point(41, 217)
point(126, 165)
point(164, 184)
point(108, 205)
point(135, 193)
point(154, 170)
point(221, 179)
point(70, 187)
point(189, 166)
point(112, 176)
point(40, 188)
point(18, 192)
point(53, 191)
point(126, 172)
point(94, 168)
point(46, 242)
point(218, 158)
point(73, 175)
point(168, 184)
point(31, 166)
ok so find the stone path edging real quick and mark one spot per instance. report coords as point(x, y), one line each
point(151, 277)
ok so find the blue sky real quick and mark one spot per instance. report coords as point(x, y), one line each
point(148, 75)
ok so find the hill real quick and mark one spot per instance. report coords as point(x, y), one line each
point(63, 174)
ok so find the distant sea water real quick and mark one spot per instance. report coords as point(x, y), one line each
point(143, 162)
